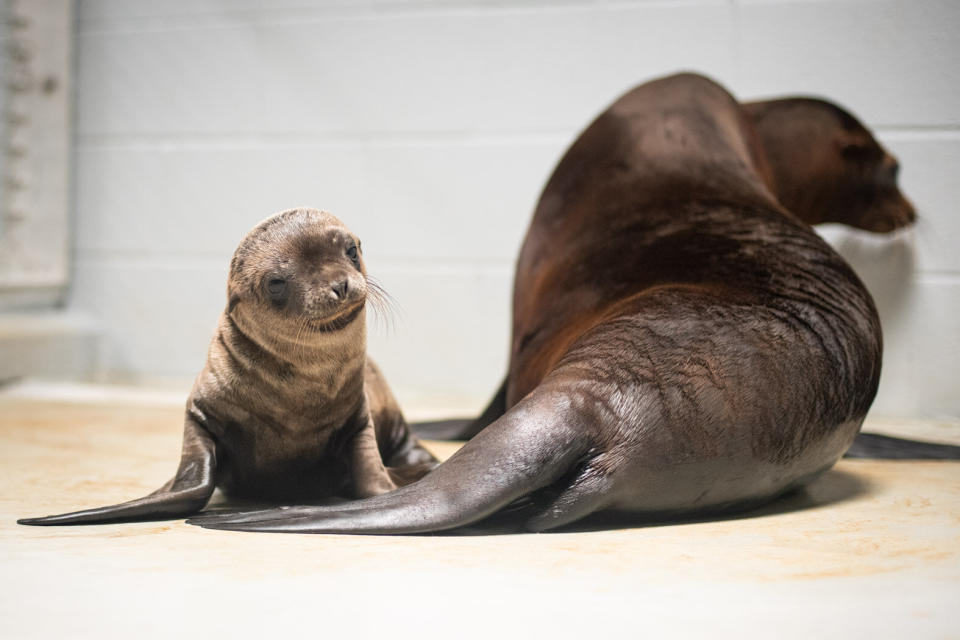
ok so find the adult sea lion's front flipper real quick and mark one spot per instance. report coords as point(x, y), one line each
point(186, 493)
point(464, 428)
point(877, 446)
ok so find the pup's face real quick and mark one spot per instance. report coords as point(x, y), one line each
point(302, 269)
point(827, 167)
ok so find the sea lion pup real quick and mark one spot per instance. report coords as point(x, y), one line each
point(288, 405)
point(682, 344)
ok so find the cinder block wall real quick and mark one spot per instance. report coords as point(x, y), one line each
point(430, 127)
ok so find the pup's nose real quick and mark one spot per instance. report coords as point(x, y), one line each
point(339, 289)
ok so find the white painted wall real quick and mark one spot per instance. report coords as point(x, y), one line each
point(430, 127)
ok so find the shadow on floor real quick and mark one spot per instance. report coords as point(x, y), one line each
point(833, 487)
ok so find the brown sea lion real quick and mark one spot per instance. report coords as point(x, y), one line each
point(803, 141)
point(683, 344)
point(288, 405)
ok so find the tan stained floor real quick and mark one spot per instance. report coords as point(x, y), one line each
point(871, 549)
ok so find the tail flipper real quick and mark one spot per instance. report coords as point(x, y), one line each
point(464, 428)
point(185, 494)
point(873, 445)
point(528, 449)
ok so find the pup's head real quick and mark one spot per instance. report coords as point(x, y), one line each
point(300, 271)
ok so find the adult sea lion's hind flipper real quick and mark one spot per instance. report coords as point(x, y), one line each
point(531, 447)
point(874, 445)
point(186, 493)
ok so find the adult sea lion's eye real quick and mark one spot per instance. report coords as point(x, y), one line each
point(352, 252)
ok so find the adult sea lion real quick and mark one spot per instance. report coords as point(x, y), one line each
point(288, 405)
point(803, 141)
point(682, 343)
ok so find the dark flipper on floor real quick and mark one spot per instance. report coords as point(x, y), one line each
point(873, 445)
point(185, 494)
point(464, 428)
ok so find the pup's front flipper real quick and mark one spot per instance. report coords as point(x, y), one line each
point(185, 494)
point(370, 476)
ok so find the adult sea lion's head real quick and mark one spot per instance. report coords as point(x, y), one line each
point(827, 167)
point(297, 273)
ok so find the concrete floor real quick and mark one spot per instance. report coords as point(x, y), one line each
point(870, 549)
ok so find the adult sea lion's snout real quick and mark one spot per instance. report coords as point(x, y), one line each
point(897, 215)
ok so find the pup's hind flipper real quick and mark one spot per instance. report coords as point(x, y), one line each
point(185, 494)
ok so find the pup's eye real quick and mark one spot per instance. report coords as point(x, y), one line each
point(352, 252)
point(276, 286)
